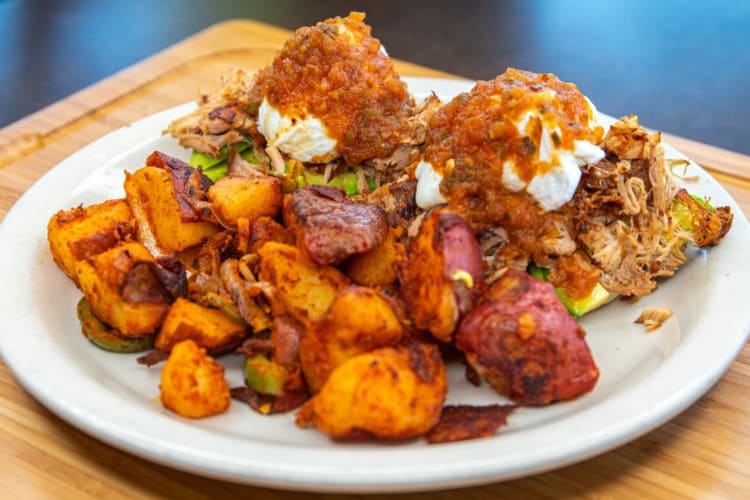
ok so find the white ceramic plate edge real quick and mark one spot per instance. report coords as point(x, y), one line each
point(337, 469)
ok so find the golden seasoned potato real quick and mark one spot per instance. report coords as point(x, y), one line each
point(211, 329)
point(359, 320)
point(375, 267)
point(287, 214)
point(235, 197)
point(123, 291)
point(305, 291)
point(442, 273)
point(392, 392)
point(83, 232)
point(152, 197)
point(265, 229)
point(192, 383)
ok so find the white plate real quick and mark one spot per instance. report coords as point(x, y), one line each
point(645, 378)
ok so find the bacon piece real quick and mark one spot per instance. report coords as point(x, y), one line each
point(523, 341)
point(153, 357)
point(332, 227)
point(157, 282)
point(462, 422)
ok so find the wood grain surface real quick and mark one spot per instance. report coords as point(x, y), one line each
point(701, 453)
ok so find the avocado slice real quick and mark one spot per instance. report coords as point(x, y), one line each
point(597, 297)
point(107, 338)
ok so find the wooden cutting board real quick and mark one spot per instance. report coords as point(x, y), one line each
point(702, 452)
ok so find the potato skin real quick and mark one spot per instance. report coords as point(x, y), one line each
point(236, 197)
point(305, 291)
point(83, 232)
point(525, 343)
point(359, 320)
point(152, 197)
point(192, 383)
point(441, 274)
point(208, 328)
point(103, 280)
point(392, 392)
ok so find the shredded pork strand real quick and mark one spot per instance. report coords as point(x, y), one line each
point(390, 168)
point(222, 118)
point(237, 166)
point(277, 161)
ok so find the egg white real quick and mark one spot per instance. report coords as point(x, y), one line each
point(304, 138)
point(552, 188)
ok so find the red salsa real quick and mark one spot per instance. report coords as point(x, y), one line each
point(337, 72)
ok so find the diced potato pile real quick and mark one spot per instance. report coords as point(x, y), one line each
point(203, 267)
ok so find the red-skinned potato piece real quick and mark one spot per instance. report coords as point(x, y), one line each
point(442, 273)
point(522, 340)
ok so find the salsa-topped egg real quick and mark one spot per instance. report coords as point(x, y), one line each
point(521, 132)
point(332, 92)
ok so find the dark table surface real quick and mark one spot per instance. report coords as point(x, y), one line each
point(683, 67)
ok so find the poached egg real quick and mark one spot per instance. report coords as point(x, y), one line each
point(547, 167)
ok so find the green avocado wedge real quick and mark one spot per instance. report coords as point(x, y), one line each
point(105, 337)
point(576, 307)
point(216, 167)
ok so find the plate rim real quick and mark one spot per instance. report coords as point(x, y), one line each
point(317, 478)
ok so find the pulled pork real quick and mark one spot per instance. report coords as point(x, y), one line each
point(625, 222)
point(229, 116)
point(222, 118)
point(390, 168)
point(621, 225)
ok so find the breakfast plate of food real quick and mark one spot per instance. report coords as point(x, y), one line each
point(324, 276)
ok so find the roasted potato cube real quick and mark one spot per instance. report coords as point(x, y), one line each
point(236, 197)
point(123, 290)
point(83, 232)
point(392, 392)
point(107, 338)
point(211, 329)
point(152, 197)
point(375, 267)
point(359, 320)
point(305, 291)
point(192, 383)
point(442, 274)
point(264, 229)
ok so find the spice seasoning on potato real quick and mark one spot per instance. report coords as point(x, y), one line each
point(441, 273)
point(393, 392)
point(192, 383)
point(522, 340)
point(359, 320)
